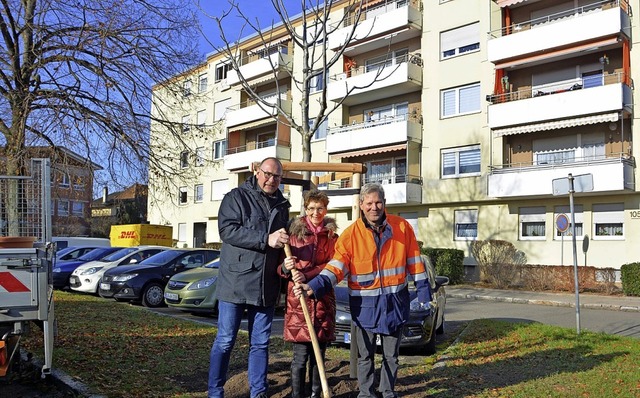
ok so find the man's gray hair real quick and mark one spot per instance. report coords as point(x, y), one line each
point(371, 188)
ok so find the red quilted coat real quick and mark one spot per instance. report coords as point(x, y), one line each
point(313, 248)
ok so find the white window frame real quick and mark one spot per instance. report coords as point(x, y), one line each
point(203, 82)
point(200, 156)
point(221, 71)
point(321, 132)
point(455, 92)
point(319, 82)
point(186, 124)
point(465, 217)
point(182, 232)
point(460, 41)
point(186, 88)
point(184, 159)
point(63, 207)
point(201, 118)
point(183, 196)
point(532, 215)
point(611, 215)
point(198, 193)
point(77, 208)
point(456, 153)
point(219, 188)
point(66, 181)
point(219, 149)
point(220, 109)
point(579, 218)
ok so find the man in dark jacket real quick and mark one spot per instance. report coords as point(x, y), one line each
point(252, 221)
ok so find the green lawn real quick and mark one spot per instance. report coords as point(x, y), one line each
point(121, 350)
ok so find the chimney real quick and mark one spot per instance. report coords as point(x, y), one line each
point(105, 193)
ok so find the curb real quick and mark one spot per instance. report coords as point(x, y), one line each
point(612, 307)
point(59, 377)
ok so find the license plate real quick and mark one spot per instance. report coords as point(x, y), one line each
point(105, 286)
point(171, 296)
point(347, 338)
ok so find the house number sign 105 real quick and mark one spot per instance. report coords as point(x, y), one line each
point(635, 213)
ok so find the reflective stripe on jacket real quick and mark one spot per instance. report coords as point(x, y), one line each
point(377, 266)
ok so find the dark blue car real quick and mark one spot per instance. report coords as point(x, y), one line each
point(63, 269)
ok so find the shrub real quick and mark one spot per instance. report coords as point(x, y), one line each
point(499, 261)
point(630, 275)
point(447, 262)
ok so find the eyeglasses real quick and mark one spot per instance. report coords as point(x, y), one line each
point(316, 209)
point(269, 176)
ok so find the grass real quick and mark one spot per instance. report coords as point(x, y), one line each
point(120, 350)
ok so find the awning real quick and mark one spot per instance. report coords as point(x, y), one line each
point(557, 53)
point(558, 124)
point(507, 3)
point(369, 151)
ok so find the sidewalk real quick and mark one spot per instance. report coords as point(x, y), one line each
point(587, 300)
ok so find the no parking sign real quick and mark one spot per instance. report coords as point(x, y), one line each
point(562, 223)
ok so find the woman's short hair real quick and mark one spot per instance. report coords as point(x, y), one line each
point(315, 196)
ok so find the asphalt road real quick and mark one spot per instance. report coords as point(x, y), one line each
point(611, 322)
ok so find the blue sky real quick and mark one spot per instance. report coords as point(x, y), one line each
point(261, 9)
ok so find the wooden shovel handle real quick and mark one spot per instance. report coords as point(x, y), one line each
point(312, 332)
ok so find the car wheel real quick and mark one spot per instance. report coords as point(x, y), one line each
point(153, 296)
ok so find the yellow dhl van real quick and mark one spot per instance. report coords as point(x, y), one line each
point(141, 234)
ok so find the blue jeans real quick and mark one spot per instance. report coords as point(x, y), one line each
point(229, 318)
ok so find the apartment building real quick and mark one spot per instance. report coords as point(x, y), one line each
point(468, 112)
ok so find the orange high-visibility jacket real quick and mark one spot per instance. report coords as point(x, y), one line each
point(378, 267)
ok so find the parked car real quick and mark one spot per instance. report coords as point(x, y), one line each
point(424, 321)
point(194, 290)
point(68, 241)
point(145, 282)
point(86, 277)
point(73, 252)
point(62, 269)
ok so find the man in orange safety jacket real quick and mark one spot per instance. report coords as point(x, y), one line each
point(378, 255)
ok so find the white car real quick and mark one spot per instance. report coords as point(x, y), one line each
point(86, 278)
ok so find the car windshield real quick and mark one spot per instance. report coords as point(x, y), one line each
point(95, 254)
point(64, 251)
point(119, 254)
point(162, 258)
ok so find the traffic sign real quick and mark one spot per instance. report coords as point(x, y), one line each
point(562, 222)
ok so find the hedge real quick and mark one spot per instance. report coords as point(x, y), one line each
point(447, 262)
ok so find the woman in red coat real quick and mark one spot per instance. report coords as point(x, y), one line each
point(312, 238)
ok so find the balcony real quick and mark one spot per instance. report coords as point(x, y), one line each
point(610, 176)
point(374, 82)
point(560, 100)
point(374, 133)
point(398, 20)
point(250, 112)
point(398, 189)
point(260, 68)
point(591, 23)
point(242, 157)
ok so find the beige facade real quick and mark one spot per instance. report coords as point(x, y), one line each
point(466, 111)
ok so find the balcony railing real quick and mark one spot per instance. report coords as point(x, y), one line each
point(558, 87)
point(379, 179)
point(261, 53)
point(392, 62)
point(520, 167)
point(557, 17)
point(257, 145)
point(379, 9)
point(374, 123)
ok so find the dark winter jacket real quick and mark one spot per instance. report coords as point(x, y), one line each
point(313, 249)
point(248, 265)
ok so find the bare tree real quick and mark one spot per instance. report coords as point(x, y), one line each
point(78, 73)
point(308, 32)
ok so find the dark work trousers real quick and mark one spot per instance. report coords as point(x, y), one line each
point(366, 365)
